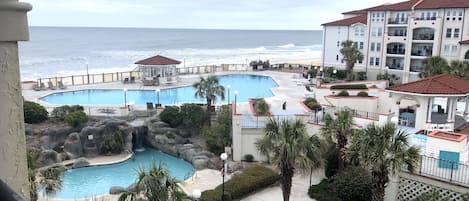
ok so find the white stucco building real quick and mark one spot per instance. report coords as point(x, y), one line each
point(399, 36)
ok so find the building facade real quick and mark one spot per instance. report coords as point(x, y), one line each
point(399, 36)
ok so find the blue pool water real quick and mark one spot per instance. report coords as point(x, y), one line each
point(91, 181)
point(248, 86)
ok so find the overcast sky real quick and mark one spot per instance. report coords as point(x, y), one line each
point(212, 14)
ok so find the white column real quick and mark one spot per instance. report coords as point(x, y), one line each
point(466, 110)
point(455, 106)
point(429, 109)
point(449, 108)
point(13, 165)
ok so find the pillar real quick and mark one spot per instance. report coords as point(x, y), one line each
point(455, 106)
point(13, 165)
point(466, 110)
point(429, 109)
point(449, 108)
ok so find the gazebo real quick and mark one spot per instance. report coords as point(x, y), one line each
point(158, 68)
point(414, 103)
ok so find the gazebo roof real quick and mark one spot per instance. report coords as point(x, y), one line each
point(158, 60)
point(439, 84)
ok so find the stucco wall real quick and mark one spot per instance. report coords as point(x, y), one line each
point(368, 104)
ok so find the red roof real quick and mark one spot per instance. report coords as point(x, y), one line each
point(362, 11)
point(438, 84)
point(405, 5)
point(430, 4)
point(348, 21)
point(158, 60)
point(464, 42)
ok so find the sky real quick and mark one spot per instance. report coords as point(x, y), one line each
point(204, 14)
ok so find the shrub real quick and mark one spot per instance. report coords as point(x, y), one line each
point(76, 118)
point(349, 86)
point(60, 112)
point(362, 94)
point(321, 192)
point(312, 73)
point(343, 93)
point(261, 107)
point(248, 158)
point(332, 165)
point(113, 143)
point(215, 143)
point(172, 116)
point(341, 74)
point(34, 113)
point(251, 179)
point(312, 104)
point(218, 135)
point(193, 116)
point(352, 184)
point(361, 76)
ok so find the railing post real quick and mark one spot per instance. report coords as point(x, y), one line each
point(421, 164)
point(73, 81)
point(451, 173)
point(103, 78)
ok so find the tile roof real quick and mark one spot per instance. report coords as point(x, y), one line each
point(348, 21)
point(158, 60)
point(405, 5)
point(438, 84)
point(464, 42)
point(430, 4)
point(362, 11)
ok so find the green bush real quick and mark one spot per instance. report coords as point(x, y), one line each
point(248, 158)
point(343, 93)
point(114, 143)
point(362, 94)
point(60, 112)
point(341, 74)
point(261, 107)
point(250, 180)
point(349, 86)
point(34, 113)
point(332, 162)
point(76, 118)
point(312, 73)
point(321, 192)
point(352, 184)
point(218, 135)
point(312, 104)
point(361, 76)
point(193, 116)
point(172, 116)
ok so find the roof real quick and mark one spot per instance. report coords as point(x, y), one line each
point(464, 42)
point(158, 60)
point(348, 21)
point(430, 4)
point(438, 84)
point(362, 11)
point(405, 5)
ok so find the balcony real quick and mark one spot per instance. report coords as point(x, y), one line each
point(422, 53)
point(424, 37)
point(423, 50)
point(416, 65)
point(423, 34)
point(397, 21)
point(395, 63)
point(425, 18)
point(393, 31)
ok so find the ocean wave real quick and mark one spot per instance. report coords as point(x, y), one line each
point(290, 45)
point(261, 48)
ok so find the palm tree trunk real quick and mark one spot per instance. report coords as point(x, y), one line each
point(341, 143)
point(379, 186)
point(286, 180)
point(349, 72)
point(209, 105)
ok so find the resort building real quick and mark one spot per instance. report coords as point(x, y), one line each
point(158, 68)
point(395, 38)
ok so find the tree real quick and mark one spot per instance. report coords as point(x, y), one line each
point(433, 66)
point(351, 55)
point(155, 185)
point(49, 179)
point(287, 146)
point(209, 88)
point(383, 150)
point(338, 131)
point(459, 68)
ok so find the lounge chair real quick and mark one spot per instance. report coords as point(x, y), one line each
point(150, 106)
point(36, 87)
point(51, 86)
point(61, 85)
point(126, 80)
point(132, 79)
point(42, 86)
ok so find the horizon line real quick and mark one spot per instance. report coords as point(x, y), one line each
point(221, 29)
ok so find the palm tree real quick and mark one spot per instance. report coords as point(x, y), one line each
point(459, 68)
point(155, 185)
point(351, 55)
point(49, 179)
point(433, 66)
point(209, 88)
point(383, 150)
point(338, 131)
point(287, 146)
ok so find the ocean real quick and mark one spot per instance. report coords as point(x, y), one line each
point(62, 51)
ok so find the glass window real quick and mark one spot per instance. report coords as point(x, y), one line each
point(355, 44)
point(373, 32)
point(372, 61)
point(372, 46)
point(377, 61)
point(362, 31)
point(454, 50)
point(380, 31)
point(448, 33)
point(338, 43)
point(378, 47)
point(456, 33)
point(357, 31)
point(446, 50)
point(361, 46)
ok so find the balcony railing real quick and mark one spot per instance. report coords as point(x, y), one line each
point(424, 37)
point(421, 53)
point(416, 68)
point(395, 66)
point(395, 51)
point(424, 18)
point(397, 21)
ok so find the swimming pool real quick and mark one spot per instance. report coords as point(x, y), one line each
point(248, 86)
point(92, 181)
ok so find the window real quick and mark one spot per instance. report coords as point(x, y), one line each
point(373, 17)
point(377, 61)
point(456, 33)
point(454, 50)
point(448, 33)
point(467, 55)
point(460, 16)
point(380, 31)
point(372, 47)
point(355, 44)
point(372, 61)
point(338, 43)
point(357, 31)
point(446, 50)
point(361, 46)
point(378, 47)
point(373, 32)
point(362, 31)
point(360, 61)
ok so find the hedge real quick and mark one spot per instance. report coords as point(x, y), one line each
point(321, 192)
point(352, 184)
point(34, 113)
point(250, 180)
point(76, 118)
point(312, 104)
point(362, 94)
point(343, 93)
point(349, 86)
point(172, 116)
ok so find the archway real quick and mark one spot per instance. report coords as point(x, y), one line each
point(467, 55)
